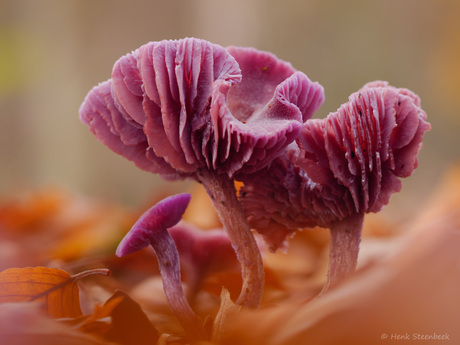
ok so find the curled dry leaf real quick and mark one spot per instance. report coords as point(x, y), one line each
point(129, 325)
point(226, 310)
point(54, 288)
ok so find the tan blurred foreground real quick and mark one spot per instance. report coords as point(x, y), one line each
point(406, 287)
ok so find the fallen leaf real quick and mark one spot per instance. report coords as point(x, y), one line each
point(226, 310)
point(55, 224)
point(55, 288)
point(30, 212)
point(129, 324)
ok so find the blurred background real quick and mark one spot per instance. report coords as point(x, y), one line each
point(53, 51)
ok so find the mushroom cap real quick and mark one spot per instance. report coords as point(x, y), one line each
point(106, 122)
point(366, 145)
point(203, 253)
point(347, 164)
point(205, 250)
point(173, 107)
point(153, 222)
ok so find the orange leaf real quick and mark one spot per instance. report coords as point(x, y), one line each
point(55, 288)
point(227, 307)
point(30, 213)
point(129, 324)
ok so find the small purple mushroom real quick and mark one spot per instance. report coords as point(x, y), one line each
point(344, 166)
point(202, 252)
point(192, 109)
point(152, 229)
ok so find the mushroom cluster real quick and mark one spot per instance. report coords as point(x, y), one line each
point(193, 109)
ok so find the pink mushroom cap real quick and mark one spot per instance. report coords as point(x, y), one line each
point(158, 218)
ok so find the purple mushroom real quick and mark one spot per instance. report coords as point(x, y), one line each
point(152, 229)
point(192, 109)
point(344, 166)
point(201, 253)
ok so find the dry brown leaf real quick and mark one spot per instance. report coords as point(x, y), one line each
point(226, 310)
point(129, 324)
point(54, 288)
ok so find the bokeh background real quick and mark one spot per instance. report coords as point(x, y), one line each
point(53, 51)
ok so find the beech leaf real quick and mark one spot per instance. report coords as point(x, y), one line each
point(127, 325)
point(55, 288)
point(226, 310)
point(130, 325)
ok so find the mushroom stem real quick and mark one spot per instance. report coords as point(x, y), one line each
point(168, 261)
point(343, 250)
point(222, 191)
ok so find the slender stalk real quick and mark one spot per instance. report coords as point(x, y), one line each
point(168, 260)
point(222, 191)
point(343, 250)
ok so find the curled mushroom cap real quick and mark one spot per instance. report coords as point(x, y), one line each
point(157, 219)
point(173, 107)
point(345, 165)
point(366, 145)
point(107, 123)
